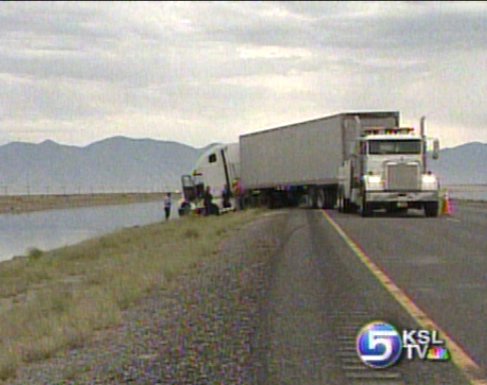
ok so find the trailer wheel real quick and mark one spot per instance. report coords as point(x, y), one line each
point(270, 200)
point(326, 199)
point(312, 199)
point(184, 209)
point(329, 198)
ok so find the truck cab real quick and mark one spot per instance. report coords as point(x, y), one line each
point(388, 170)
point(216, 169)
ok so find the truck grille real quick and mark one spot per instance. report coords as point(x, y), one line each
point(403, 176)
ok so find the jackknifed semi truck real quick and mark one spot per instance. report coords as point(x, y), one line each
point(353, 161)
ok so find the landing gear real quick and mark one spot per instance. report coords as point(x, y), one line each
point(320, 198)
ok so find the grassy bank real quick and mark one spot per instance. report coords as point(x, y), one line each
point(56, 300)
point(28, 203)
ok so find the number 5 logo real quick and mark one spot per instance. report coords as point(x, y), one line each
point(379, 345)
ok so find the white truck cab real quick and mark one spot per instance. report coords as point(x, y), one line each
point(216, 169)
point(387, 169)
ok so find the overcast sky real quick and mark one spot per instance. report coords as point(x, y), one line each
point(204, 72)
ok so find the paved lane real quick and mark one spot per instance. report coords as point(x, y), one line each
point(441, 264)
point(319, 295)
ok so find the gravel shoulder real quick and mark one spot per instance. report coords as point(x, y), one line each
point(197, 331)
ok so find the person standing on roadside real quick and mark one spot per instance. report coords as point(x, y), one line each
point(226, 195)
point(167, 205)
point(238, 194)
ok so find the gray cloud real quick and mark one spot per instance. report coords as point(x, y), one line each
point(202, 72)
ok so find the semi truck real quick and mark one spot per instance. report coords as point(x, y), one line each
point(387, 168)
point(355, 160)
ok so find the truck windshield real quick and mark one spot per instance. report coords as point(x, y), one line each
point(377, 147)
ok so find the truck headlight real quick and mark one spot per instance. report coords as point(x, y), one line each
point(429, 182)
point(374, 179)
point(373, 182)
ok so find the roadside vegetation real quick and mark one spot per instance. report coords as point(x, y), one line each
point(52, 301)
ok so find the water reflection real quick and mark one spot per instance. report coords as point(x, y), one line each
point(55, 228)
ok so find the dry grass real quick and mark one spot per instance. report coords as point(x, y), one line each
point(59, 298)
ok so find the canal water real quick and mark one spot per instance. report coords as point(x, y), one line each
point(51, 229)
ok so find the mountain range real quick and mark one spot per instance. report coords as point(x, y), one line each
point(464, 164)
point(117, 164)
point(121, 164)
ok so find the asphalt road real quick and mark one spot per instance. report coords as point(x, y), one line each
point(320, 294)
point(441, 263)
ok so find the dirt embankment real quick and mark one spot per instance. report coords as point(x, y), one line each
point(27, 203)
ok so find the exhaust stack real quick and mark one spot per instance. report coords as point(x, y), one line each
point(423, 144)
point(358, 126)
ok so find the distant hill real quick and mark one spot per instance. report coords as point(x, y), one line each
point(121, 164)
point(464, 164)
point(117, 164)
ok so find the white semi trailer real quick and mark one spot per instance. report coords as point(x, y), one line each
point(361, 160)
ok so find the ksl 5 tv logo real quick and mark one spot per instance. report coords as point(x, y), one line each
point(380, 345)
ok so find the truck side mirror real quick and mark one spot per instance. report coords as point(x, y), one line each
point(436, 149)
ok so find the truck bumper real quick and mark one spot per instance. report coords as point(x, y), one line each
point(399, 196)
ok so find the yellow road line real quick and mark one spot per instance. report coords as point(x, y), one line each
point(461, 359)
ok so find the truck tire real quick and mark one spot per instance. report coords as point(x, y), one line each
point(344, 205)
point(214, 209)
point(271, 204)
point(365, 211)
point(431, 209)
point(330, 198)
point(185, 209)
point(312, 199)
point(334, 193)
point(326, 202)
